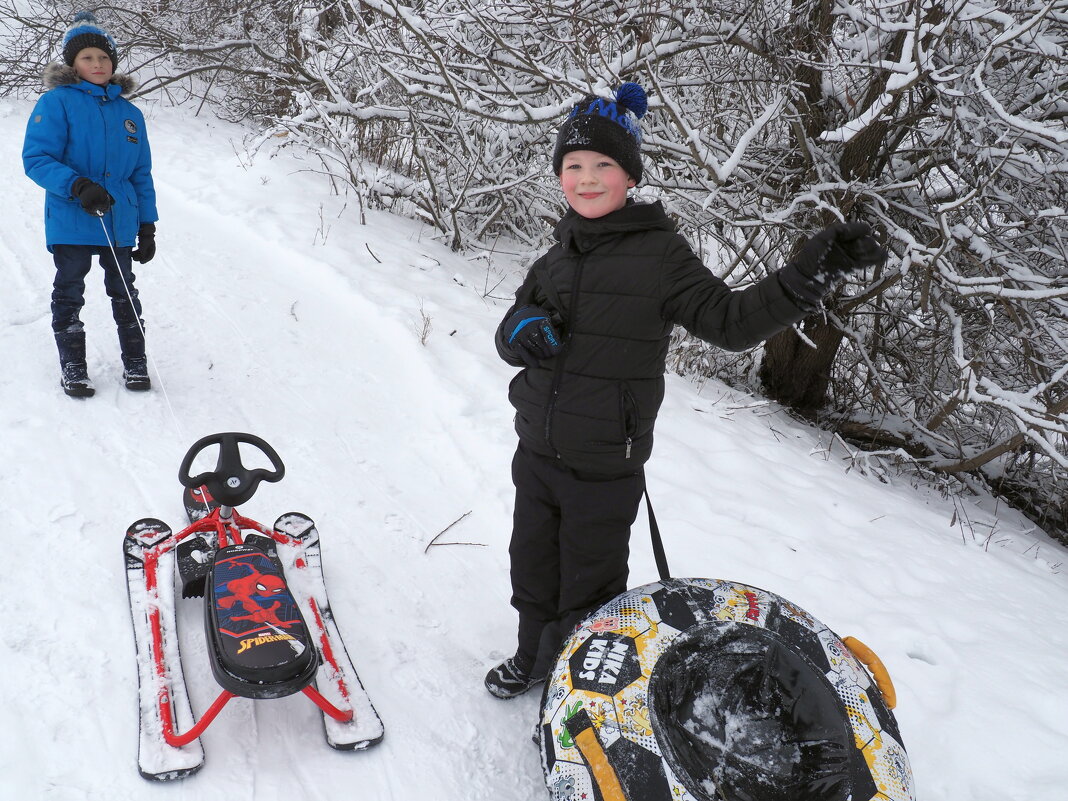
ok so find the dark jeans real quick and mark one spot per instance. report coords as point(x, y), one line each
point(569, 549)
point(68, 290)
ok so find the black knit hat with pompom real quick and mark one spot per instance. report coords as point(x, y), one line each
point(610, 127)
point(86, 32)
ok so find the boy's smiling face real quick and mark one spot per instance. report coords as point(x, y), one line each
point(593, 183)
point(94, 65)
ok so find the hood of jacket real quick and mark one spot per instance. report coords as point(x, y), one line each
point(584, 234)
point(59, 74)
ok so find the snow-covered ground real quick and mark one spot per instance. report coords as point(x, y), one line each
point(364, 355)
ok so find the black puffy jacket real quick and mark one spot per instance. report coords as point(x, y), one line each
point(594, 405)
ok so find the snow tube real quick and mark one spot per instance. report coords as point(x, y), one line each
point(706, 690)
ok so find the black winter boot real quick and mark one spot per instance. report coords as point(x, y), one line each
point(511, 678)
point(75, 380)
point(135, 374)
point(134, 362)
point(74, 374)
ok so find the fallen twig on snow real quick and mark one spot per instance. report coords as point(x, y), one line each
point(453, 523)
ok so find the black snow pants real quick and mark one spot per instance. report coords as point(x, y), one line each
point(569, 549)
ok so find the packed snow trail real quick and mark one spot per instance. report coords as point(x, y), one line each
point(363, 354)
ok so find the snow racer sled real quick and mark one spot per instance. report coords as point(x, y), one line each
point(268, 624)
point(705, 690)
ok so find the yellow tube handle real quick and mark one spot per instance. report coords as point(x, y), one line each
point(876, 667)
point(604, 775)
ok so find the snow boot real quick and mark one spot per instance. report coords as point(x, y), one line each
point(135, 374)
point(74, 374)
point(134, 362)
point(75, 381)
point(511, 678)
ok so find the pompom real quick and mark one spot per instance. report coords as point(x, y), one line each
point(86, 16)
point(632, 96)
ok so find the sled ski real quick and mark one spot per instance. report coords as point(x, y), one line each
point(163, 702)
point(336, 678)
point(268, 623)
point(198, 503)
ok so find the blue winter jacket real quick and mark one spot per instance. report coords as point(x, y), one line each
point(79, 129)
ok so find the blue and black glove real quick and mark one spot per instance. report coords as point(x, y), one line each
point(828, 257)
point(530, 334)
point(95, 199)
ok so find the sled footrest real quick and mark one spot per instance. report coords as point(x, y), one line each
point(194, 564)
point(257, 639)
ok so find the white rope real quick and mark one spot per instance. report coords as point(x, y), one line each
point(137, 318)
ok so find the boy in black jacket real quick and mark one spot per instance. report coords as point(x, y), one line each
point(590, 326)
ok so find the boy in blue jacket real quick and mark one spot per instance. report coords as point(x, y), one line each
point(590, 327)
point(86, 145)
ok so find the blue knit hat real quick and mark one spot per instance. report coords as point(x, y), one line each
point(610, 127)
point(86, 32)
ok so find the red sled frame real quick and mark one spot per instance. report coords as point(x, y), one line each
point(228, 529)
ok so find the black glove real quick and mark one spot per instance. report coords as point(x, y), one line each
point(530, 334)
point(146, 243)
point(95, 199)
point(828, 257)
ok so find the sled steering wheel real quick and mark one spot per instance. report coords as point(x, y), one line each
point(231, 483)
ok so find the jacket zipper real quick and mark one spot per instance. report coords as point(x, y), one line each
point(104, 99)
point(624, 395)
point(558, 373)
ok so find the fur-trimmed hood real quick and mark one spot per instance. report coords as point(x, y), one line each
point(59, 74)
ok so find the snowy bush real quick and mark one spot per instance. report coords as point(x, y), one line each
point(941, 124)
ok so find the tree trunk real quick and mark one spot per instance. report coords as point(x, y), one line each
point(793, 372)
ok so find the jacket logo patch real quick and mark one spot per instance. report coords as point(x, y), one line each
point(131, 126)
